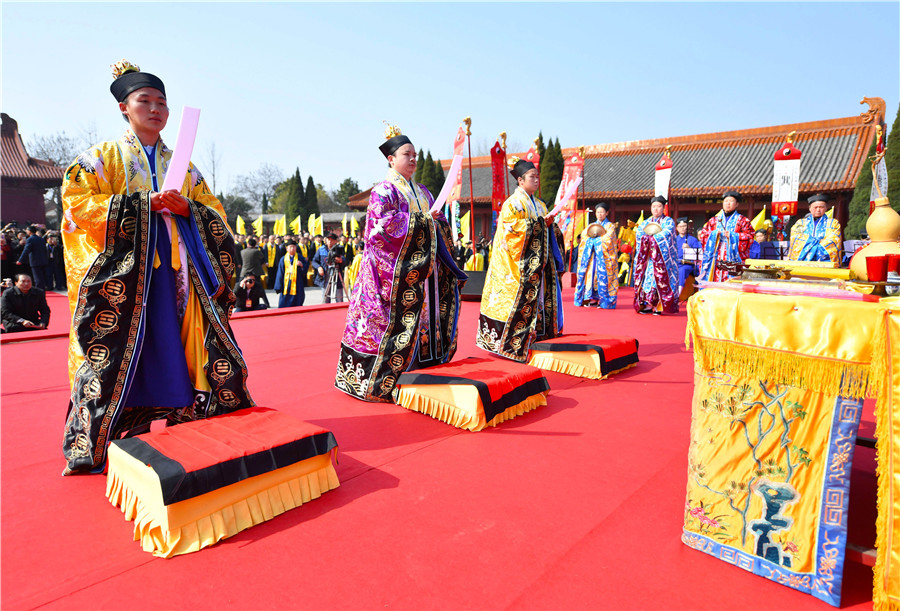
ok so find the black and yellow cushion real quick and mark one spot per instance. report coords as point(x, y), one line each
point(585, 356)
point(474, 392)
point(191, 485)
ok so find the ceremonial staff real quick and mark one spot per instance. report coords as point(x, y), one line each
point(468, 122)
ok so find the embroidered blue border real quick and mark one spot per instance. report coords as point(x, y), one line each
point(831, 537)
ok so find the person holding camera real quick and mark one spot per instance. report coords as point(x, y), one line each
point(250, 295)
point(329, 265)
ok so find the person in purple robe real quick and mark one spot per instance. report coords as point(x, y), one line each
point(405, 303)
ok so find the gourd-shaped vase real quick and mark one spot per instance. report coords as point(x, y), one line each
point(883, 227)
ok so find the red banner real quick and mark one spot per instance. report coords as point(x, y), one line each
point(786, 180)
point(458, 143)
point(498, 176)
point(533, 156)
point(573, 168)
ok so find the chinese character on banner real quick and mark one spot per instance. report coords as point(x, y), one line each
point(572, 170)
point(786, 180)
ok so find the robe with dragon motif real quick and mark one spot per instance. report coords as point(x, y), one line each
point(522, 299)
point(150, 301)
point(404, 307)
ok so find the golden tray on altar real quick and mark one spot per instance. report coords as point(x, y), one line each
point(595, 230)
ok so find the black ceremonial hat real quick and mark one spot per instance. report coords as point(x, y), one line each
point(128, 77)
point(603, 205)
point(395, 140)
point(682, 219)
point(733, 194)
point(520, 167)
point(820, 197)
point(658, 198)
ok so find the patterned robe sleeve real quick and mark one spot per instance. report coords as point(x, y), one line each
point(706, 231)
point(745, 236)
point(86, 191)
point(832, 241)
point(797, 239)
point(200, 193)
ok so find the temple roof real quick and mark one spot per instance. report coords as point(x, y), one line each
point(705, 165)
point(18, 165)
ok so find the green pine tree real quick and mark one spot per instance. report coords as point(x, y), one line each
point(294, 203)
point(540, 149)
point(312, 197)
point(551, 172)
point(420, 167)
point(427, 178)
point(265, 204)
point(439, 178)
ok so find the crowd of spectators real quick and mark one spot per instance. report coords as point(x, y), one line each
point(325, 261)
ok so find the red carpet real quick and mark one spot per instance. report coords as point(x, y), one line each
point(574, 505)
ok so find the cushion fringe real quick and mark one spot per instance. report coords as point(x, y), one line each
point(454, 416)
point(547, 360)
point(225, 522)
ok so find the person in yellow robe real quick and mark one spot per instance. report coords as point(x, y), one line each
point(148, 286)
point(521, 301)
point(816, 237)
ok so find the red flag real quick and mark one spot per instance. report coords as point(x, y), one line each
point(573, 168)
point(533, 156)
point(458, 143)
point(498, 176)
point(786, 180)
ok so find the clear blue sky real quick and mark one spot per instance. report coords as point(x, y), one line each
point(307, 85)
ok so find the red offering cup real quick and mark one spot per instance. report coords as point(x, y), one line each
point(893, 263)
point(876, 268)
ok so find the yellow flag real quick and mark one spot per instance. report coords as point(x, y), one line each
point(258, 225)
point(464, 226)
point(295, 226)
point(354, 226)
point(311, 225)
point(320, 229)
point(280, 228)
point(830, 213)
point(239, 225)
point(344, 223)
point(641, 218)
point(759, 219)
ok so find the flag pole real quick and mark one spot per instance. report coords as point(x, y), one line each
point(468, 122)
point(583, 209)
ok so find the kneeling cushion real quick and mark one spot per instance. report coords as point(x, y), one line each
point(585, 356)
point(191, 485)
point(474, 392)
